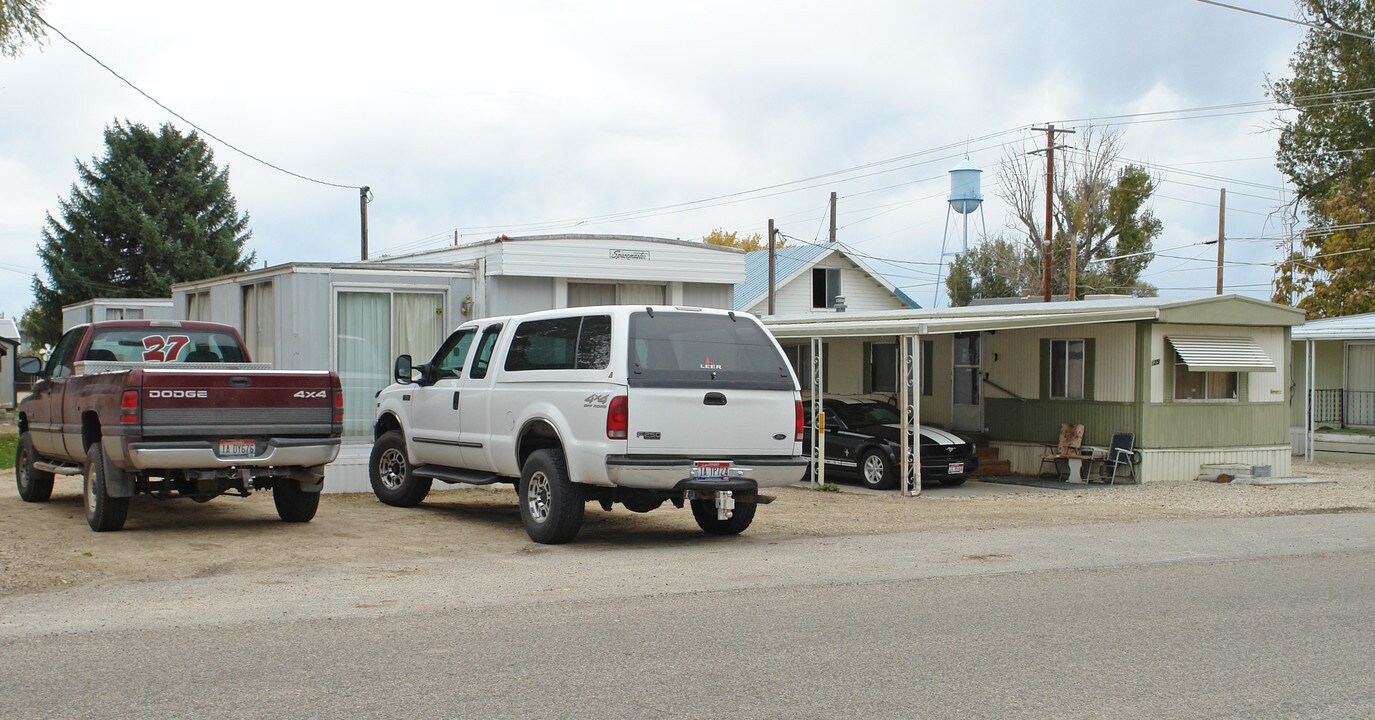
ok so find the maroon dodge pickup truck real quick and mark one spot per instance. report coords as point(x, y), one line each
point(173, 409)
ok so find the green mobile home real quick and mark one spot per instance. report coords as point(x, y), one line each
point(1197, 381)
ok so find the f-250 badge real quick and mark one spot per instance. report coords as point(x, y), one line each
point(596, 400)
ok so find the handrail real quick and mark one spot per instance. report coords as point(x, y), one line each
point(1000, 387)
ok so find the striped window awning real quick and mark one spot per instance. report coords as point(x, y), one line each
point(1222, 354)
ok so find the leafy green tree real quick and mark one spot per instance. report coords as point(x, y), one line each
point(732, 239)
point(1324, 151)
point(995, 268)
point(155, 210)
point(20, 23)
point(1101, 207)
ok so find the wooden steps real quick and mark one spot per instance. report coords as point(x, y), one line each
point(991, 465)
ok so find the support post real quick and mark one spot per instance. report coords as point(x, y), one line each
point(909, 396)
point(1221, 233)
point(363, 216)
point(818, 416)
point(771, 265)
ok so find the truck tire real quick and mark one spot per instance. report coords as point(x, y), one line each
point(103, 513)
point(34, 485)
point(551, 505)
point(294, 505)
point(390, 472)
point(705, 513)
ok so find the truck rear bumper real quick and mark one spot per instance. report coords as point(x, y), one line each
point(669, 473)
point(202, 455)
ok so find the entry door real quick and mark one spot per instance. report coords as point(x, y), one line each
point(966, 411)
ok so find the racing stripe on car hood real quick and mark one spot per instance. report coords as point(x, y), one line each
point(936, 435)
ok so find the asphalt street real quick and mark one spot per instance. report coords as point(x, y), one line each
point(1248, 618)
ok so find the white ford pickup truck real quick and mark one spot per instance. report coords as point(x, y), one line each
point(615, 404)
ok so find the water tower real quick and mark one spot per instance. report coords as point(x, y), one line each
point(965, 198)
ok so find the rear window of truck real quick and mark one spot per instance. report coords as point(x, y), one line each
point(164, 345)
point(684, 349)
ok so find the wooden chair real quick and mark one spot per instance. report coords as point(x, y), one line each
point(1071, 438)
point(1121, 454)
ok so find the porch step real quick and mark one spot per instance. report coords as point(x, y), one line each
point(990, 464)
point(994, 467)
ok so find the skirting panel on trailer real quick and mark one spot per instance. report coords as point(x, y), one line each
point(1164, 464)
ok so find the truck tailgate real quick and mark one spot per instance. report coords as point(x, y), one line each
point(674, 421)
point(230, 403)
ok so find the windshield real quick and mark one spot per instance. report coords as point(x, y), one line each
point(156, 344)
point(866, 413)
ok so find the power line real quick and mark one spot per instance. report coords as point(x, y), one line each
point(1291, 21)
point(182, 118)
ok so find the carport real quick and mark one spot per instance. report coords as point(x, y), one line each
point(1125, 354)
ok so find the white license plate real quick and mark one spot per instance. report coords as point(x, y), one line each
point(238, 448)
point(955, 468)
point(711, 469)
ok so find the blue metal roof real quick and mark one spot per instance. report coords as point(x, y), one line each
point(788, 261)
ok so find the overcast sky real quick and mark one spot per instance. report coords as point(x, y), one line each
point(536, 117)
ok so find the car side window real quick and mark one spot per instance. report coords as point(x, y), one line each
point(484, 352)
point(448, 362)
point(60, 363)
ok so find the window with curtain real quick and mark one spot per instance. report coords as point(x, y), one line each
point(586, 294)
point(1067, 369)
point(115, 313)
point(260, 322)
point(374, 326)
point(198, 305)
point(1196, 385)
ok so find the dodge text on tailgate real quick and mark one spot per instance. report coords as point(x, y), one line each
point(173, 410)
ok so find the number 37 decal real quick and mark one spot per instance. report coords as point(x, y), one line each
point(157, 348)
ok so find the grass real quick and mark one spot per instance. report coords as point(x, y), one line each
point(8, 443)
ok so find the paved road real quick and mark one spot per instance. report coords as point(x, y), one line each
point(1248, 618)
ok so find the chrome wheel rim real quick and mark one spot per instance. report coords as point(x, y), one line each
point(22, 468)
point(537, 497)
point(391, 468)
point(873, 469)
point(87, 492)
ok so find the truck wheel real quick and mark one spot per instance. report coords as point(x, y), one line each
point(740, 518)
point(103, 513)
point(389, 470)
point(294, 505)
point(34, 485)
point(551, 505)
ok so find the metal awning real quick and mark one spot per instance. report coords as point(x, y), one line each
point(1221, 354)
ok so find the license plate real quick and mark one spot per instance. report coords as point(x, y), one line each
point(955, 468)
point(238, 448)
point(711, 469)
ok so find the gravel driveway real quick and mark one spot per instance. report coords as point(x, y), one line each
point(48, 545)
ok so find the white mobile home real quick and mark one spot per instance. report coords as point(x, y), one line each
point(101, 309)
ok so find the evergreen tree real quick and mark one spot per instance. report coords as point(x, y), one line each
point(155, 210)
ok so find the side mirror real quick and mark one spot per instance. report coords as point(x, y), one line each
point(31, 365)
point(401, 372)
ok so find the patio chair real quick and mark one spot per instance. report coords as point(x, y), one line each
point(1121, 456)
point(1071, 437)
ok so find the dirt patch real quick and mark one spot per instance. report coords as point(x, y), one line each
point(47, 545)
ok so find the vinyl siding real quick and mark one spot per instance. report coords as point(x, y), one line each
point(861, 291)
point(1012, 359)
point(1262, 387)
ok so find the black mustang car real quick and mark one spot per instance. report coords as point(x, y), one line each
point(862, 443)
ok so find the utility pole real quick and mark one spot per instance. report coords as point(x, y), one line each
point(1221, 230)
point(1050, 131)
point(363, 214)
point(833, 217)
point(771, 265)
